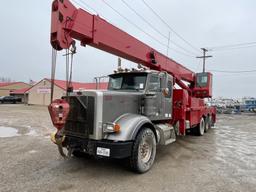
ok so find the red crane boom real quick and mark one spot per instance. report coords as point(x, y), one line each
point(70, 23)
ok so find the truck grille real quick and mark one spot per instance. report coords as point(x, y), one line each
point(80, 121)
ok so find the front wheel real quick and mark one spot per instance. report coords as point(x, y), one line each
point(143, 151)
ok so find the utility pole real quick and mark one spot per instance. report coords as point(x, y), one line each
point(204, 57)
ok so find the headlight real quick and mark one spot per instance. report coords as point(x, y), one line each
point(111, 128)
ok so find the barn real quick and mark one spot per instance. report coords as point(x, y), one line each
point(39, 94)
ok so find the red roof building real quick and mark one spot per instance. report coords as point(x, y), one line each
point(79, 85)
point(7, 87)
point(19, 91)
point(39, 94)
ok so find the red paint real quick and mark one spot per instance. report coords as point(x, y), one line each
point(20, 91)
point(203, 92)
point(59, 110)
point(4, 84)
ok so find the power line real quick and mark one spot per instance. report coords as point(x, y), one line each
point(129, 21)
point(87, 5)
point(125, 18)
point(232, 48)
point(223, 71)
point(163, 21)
point(234, 45)
point(145, 20)
point(154, 28)
point(168, 44)
point(179, 52)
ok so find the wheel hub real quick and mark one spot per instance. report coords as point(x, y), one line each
point(145, 151)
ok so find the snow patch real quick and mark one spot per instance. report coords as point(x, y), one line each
point(8, 132)
point(32, 151)
point(32, 132)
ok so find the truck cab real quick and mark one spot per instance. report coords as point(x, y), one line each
point(107, 123)
point(155, 87)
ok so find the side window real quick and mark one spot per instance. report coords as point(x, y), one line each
point(154, 83)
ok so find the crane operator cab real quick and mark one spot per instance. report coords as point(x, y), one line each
point(203, 85)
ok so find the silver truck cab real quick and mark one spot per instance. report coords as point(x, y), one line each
point(113, 122)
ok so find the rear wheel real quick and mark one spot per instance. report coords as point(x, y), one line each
point(143, 151)
point(201, 127)
point(207, 123)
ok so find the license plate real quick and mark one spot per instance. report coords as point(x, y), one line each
point(103, 151)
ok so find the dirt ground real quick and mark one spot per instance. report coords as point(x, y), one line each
point(222, 160)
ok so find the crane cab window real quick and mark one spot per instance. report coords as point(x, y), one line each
point(201, 79)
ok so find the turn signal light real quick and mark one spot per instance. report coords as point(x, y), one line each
point(111, 128)
point(117, 128)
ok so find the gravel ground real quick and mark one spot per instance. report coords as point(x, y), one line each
point(223, 159)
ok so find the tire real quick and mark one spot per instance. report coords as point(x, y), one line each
point(201, 127)
point(143, 151)
point(208, 123)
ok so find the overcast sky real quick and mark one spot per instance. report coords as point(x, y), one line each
point(25, 51)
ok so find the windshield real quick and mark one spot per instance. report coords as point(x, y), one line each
point(130, 81)
point(201, 79)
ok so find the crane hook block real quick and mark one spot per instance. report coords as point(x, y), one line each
point(59, 110)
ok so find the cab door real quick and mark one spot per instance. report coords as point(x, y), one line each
point(158, 98)
point(167, 93)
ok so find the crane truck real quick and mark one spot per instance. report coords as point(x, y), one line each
point(141, 108)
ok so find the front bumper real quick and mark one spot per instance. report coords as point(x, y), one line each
point(117, 150)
